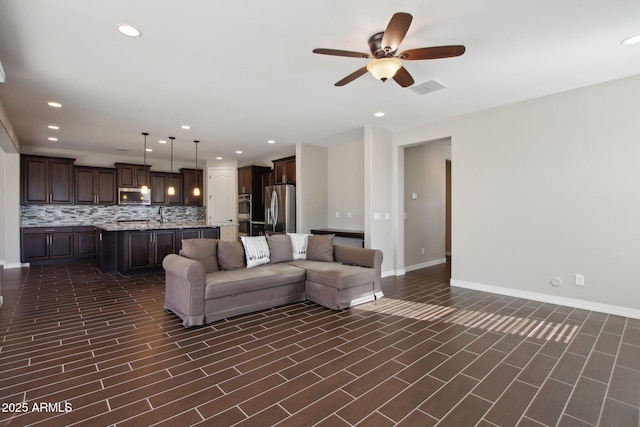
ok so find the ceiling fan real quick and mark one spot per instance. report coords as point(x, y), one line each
point(386, 62)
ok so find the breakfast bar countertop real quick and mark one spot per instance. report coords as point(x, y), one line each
point(156, 225)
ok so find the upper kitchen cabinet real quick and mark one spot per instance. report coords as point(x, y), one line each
point(160, 183)
point(95, 186)
point(250, 179)
point(191, 179)
point(131, 175)
point(46, 180)
point(284, 170)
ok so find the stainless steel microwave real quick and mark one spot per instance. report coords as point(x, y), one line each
point(134, 196)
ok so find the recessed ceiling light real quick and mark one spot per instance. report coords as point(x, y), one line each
point(54, 127)
point(162, 141)
point(271, 141)
point(129, 31)
point(631, 40)
point(52, 138)
point(148, 150)
point(187, 127)
point(54, 104)
point(238, 151)
point(218, 158)
point(379, 114)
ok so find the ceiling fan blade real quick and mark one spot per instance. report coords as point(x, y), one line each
point(432, 52)
point(351, 77)
point(395, 32)
point(346, 53)
point(403, 78)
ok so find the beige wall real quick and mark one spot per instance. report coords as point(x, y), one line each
point(311, 187)
point(548, 188)
point(346, 185)
point(425, 223)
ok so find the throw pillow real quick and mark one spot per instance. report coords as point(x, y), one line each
point(320, 247)
point(230, 255)
point(203, 250)
point(299, 244)
point(280, 248)
point(256, 250)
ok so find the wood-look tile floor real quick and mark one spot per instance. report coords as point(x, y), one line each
point(78, 347)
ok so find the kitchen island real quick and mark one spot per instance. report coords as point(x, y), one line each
point(140, 246)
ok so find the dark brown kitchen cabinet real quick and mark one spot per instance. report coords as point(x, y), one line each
point(284, 170)
point(95, 186)
point(47, 244)
point(191, 179)
point(132, 175)
point(160, 183)
point(85, 242)
point(197, 233)
point(144, 250)
point(46, 180)
point(250, 182)
point(106, 250)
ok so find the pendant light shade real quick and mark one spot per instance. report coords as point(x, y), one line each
point(144, 189)
point(196, 189)
point(171, 191)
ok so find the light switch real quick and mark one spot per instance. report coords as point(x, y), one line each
point(414, 196)
point(376, 216)
point(387, 216)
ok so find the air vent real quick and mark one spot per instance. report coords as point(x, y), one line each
point(428, 87)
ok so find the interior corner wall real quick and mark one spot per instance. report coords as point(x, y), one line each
point(379, 184)
point(311, 187)
point(10, 209)
point(548, 188)
point(345, 175)
point(3, 215)
point(424, 203)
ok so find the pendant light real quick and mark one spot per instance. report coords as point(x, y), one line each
point(144, 188)
point(196, 189)
point(171, 191)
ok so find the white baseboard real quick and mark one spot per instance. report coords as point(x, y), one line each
point(551, 299)
point(16, 265)
point(425, 264)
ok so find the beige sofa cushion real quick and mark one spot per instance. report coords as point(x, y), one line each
point(320, 247)
point(203, 250)
point(223, 283)
point(230, 255)
point(335, 274)
point(280, 248)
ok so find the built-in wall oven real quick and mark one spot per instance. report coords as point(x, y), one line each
point(244, 214)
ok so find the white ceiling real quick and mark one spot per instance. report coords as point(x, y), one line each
point(242, 72)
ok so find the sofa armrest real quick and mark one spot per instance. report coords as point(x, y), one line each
point(363, 257)
point(184, 288)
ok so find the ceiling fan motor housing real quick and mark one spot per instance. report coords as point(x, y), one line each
point(376, 48)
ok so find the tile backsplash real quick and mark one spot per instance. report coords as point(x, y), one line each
point(61, 215)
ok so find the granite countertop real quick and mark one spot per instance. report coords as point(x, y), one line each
point(156, 225)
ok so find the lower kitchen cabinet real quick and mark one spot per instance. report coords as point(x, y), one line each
point(144, 250)
point(85, 243)
point(47, 244)
point(197, 233)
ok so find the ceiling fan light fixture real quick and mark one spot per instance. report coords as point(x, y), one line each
point(384, 68)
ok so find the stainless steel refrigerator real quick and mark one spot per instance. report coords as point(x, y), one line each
point(280, 208)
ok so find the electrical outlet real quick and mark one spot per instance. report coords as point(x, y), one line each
point(337, 214)
point(422, 251)
point(579, 281)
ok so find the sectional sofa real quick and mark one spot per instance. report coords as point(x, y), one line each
point(213, 279)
